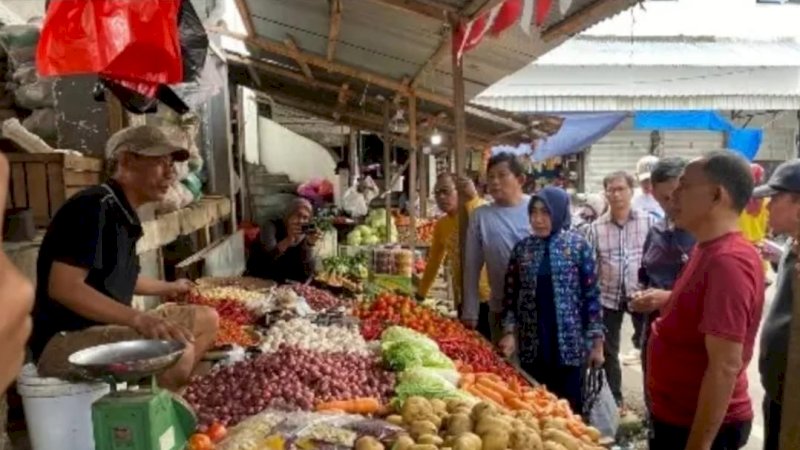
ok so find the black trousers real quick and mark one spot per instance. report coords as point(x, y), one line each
point(612, 319)
point(564, 381)
point(484, 328)
point(731, 436)
point(772, 423)
point(639, 323)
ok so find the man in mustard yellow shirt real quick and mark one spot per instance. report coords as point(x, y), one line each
point(445, 239)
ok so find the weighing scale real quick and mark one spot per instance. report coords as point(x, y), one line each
point(147, 418)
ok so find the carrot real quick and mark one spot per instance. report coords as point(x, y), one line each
point(490, 376)
point(488, 393)
point(363, 405)
point(468, 378)
point(503, 391)
point(515, 386)
point(482, 395)
point(518, 404)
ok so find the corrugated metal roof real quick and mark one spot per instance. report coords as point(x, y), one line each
point(623, 88)
point(396, 43)
point(696, 52)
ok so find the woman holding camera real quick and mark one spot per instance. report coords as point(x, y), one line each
point(284, 250)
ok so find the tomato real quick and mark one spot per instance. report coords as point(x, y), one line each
point(217, 431)
point(200, 441)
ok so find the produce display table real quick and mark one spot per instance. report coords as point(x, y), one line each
point(330, 371)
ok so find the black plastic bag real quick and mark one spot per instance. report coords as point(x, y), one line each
point(193, 40)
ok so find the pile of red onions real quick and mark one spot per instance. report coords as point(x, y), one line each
point(317, 299)
point(291, 378)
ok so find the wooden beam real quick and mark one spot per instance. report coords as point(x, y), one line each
point(296, 53)
point(412, 170)
point(341, 100)
point(387, 165)
point(317, 84)
point(441, 51)
point(311, 59)
point(333, 29)
point(247, 18)
point(359, 74)
point(460, 149)
point(470, 12)
point(436, 11)
point(585, 17)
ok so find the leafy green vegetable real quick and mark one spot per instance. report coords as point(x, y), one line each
point(396, 334)
point(406, 354)
point(450, 376)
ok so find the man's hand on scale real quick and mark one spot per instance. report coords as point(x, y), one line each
point(152, 327)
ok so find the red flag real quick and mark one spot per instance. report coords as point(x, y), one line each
point(542, 10)
point(495, 21)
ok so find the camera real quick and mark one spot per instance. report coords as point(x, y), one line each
point(308, 228)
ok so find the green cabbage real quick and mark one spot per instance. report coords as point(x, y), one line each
point(412, 375)
point(395, 334)
point(405, 354)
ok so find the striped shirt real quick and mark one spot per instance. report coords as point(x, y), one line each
point(619, 255)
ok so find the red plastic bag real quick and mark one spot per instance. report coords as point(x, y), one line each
point(133, 41)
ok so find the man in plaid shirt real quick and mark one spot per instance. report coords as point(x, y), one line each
point(618, 239)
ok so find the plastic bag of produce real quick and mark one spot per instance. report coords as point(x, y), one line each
point(600, 408)
point(354, 202)
point(35, 95)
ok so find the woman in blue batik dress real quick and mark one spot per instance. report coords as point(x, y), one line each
point(552, 315)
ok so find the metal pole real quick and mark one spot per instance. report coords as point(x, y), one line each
point(387, 167)
point(412, 169)
point(459, 121)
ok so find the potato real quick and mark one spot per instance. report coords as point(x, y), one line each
point(495, 440)
point(482, 409)
point(491, 423)
point(594, 433)
point(430, 439)
point(423, 447)
point(550, 445)
point(395, 419)
point(368, 443)
point(434, 419)
point(467, 441)
point(439, 407)
point(414, 408)
point(524, 439)
point(568, 441)
point(422, 427)
point(456, 403)
point(458, 424)
point(555, 422)
point(403, 442)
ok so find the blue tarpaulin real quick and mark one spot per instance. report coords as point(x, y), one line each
point(578, 131)
point(744, 141)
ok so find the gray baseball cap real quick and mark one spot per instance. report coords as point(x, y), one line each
point(146, 140)
point(786, 178)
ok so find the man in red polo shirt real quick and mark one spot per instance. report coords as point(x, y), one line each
point(703, 341)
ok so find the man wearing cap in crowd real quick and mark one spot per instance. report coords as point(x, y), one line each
point(643, 199)
point(783, 191)
point(88, 269)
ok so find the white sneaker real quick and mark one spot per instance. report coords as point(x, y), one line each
point(632, 358)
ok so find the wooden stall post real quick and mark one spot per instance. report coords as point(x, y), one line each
point(790, 432)
point(460, 149)
point(412, 169)
point(387, 167)
point(424, 169)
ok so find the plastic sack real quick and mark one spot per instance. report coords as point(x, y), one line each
point(193, 41)
point(19, 43)
point(42, 123)
point(600, 408)
point(122, 40)
point(35, 95)
point(354, 203)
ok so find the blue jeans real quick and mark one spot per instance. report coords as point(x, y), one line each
point(772, 423)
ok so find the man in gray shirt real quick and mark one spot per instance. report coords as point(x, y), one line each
point(783, 188)
point(493, 232)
